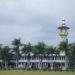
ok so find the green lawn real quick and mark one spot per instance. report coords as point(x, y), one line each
point(20, 72)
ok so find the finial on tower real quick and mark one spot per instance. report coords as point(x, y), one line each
point(63, 22)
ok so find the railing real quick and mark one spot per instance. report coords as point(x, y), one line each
point(24, 61)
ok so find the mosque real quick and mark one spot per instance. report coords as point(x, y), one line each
point(59, 60)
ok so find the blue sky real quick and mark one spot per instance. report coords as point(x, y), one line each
point(35, 20)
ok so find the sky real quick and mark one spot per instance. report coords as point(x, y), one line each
point(35, 20)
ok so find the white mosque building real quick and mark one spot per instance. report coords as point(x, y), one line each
point(51, 60)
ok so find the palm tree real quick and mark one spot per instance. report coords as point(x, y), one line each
point(50, 50)
point(6, 55)
point(71, 55)
point(16, 43)
point(64, 48)
point(40, 51)
point(0, 50)
point(27, 49)
point(1, 56)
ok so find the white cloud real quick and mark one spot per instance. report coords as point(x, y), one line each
point(34, 20)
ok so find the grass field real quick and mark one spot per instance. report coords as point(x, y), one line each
point(20, 72)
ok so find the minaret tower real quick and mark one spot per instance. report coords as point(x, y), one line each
point(63, 31)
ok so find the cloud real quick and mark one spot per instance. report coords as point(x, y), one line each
point(35, 20)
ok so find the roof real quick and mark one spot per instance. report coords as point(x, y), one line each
point(65, 27)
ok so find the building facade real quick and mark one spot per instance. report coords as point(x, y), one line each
point(52, 61)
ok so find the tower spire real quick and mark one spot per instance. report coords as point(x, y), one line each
point(63, 22)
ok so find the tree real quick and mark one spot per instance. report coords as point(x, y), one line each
point(6, 55)
point(27, 49)
point(0, 50)
point(16, 43)
point(1, 56)
point(40, 51)
point(50, 51)
point(72, 55)
point(64, 47)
